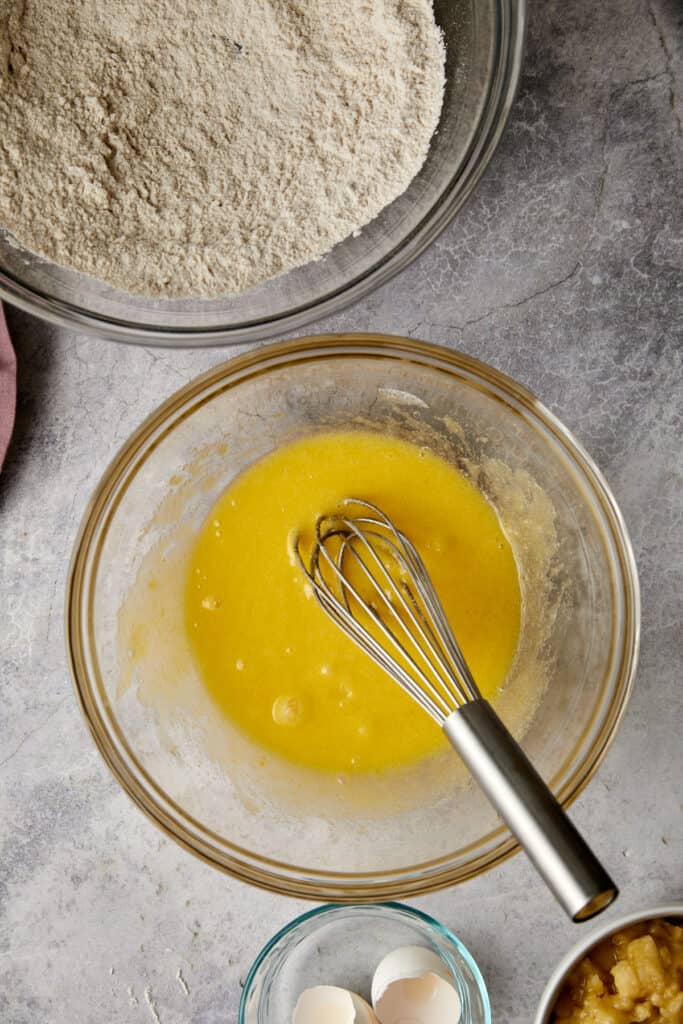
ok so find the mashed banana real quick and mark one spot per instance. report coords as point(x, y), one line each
point(632, 977)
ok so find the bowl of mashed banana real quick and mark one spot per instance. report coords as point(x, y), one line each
point(629, 971)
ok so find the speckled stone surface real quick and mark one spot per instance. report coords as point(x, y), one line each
point(564, 271)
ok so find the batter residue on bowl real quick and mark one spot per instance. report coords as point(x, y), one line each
point(272, 661)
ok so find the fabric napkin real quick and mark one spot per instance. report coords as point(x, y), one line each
point(8, 386)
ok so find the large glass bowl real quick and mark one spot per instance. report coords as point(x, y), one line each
point(284, 831)
point(484, 51)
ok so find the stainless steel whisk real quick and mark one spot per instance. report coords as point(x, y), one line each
point(369, 578)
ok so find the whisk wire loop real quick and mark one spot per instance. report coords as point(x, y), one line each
point(340, 613)
point(401, 605)
point(394, 601)
point(341, 608)
point(421, 581)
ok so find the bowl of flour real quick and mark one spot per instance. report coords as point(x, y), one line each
point(189, 173)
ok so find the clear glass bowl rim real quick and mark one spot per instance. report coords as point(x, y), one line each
point(330, 909)
point(277, 876)
point(502, 89)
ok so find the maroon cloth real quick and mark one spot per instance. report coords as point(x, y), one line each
point(8, 386)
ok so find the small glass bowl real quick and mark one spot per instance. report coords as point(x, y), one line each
point(342, 945)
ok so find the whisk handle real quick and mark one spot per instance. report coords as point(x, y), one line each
point(529, 809)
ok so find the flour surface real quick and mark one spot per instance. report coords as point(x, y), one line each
point(181, 147)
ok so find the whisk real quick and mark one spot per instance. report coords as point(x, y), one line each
point(369, 578)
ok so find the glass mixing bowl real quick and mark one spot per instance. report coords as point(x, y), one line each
point(262, 820)
point(484, 52)
point(342, 946)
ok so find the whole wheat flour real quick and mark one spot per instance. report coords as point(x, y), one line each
point(181, 147)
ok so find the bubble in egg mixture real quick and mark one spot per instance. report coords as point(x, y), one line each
point(287, 710)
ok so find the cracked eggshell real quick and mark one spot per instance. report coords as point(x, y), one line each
point(413, 986)
point(406, 962)
point(327, 1004)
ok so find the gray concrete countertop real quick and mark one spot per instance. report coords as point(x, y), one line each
point(564, 271)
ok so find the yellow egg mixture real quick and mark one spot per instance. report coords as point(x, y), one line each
point(273, 662)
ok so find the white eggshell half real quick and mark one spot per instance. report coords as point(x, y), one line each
point(327, 1004)
point(406, 962)
point(424, 1000)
